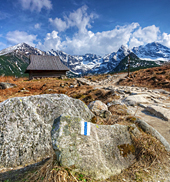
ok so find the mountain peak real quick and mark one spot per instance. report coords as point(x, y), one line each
point(154, 44)
point(22, 48)
point(152, 51)
point(123, 47)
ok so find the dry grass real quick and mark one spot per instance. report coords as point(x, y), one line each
point(149, 151)
point(150, 155)
point(119, 110)
point(87, 94)
point(158, 77)
point(52, 172)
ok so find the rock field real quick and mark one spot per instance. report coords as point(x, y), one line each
point(30, 126)
point(152, 105)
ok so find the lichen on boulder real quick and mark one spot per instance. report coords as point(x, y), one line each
point(26, 124)
point(105, 152)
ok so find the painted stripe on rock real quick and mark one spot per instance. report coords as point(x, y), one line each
point(85, 128)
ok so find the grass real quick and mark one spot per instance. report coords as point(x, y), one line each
point(157, 77)
point(120, 110)
point(50, 172)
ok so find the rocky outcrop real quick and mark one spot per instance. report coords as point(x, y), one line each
point(159, 111)
point(26, 124)
point(136, 99)
point(4, 85)
point(150, 130)
point(101, 151)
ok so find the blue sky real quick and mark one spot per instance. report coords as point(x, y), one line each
point(84, 26)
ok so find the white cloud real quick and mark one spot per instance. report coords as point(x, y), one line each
point(36, 5)
point(89, 42)
point(145, 35)
point(101, 43)
point(16, 37)
point(78, 18)
point(52, 41)
point(37, 26)
point(165, 39)
point(59, 24)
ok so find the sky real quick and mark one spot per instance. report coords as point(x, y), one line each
point(78, 27)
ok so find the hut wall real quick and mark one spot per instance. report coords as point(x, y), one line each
point(40, 74)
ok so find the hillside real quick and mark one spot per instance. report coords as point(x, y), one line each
point(13, 65)
point(135, 63)
point(14, 60)
point(158, 77)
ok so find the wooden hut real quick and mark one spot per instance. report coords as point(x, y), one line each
point(45, 66)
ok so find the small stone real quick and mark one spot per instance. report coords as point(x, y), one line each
point(5, 85)
point(103, 113)
point(97, 105)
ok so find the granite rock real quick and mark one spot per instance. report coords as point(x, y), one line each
point(106, 151)
point(26, 124)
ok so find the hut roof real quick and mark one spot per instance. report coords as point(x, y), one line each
point(46, 63)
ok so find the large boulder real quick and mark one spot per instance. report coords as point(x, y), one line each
point(26, 124)
point(96, 150)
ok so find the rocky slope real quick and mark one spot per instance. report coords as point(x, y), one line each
point(152, 51)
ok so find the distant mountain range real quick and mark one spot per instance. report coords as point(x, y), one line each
point(14, 60)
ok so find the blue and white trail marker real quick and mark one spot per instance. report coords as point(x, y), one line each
point(85, 128)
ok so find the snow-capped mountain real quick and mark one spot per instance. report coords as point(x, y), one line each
point(111, 61)
point(152, 51)
point(91, 63)
point(22, 48)
point(15, 59)
point(78, 64)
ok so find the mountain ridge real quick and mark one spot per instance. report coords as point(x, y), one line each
point(88, 63)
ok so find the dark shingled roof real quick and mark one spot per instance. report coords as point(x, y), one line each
point(46, 63)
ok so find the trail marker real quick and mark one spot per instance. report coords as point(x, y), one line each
point(85, 128)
